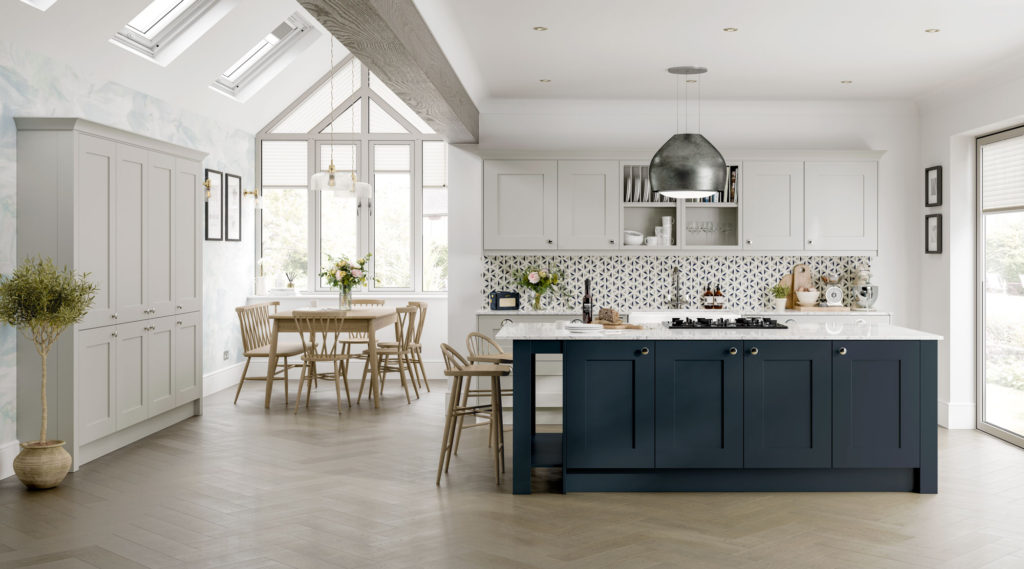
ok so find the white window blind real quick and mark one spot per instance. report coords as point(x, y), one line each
point(317, 106)
point(1002, 174)
point(284, 163)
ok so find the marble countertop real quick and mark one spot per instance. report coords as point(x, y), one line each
point(710, 313)
point(817, 331)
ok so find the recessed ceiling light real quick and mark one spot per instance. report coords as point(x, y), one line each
point(846, 81)
point(540, 29)
point(932, 30)
point(730, 29)
point(545, 80)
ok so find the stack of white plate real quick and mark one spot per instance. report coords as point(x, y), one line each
point(578, 328)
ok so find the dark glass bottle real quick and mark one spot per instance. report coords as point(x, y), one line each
point(588, 303)
point(719, 297)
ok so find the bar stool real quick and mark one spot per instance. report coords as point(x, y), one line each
point(482, 350)
point(461, 371)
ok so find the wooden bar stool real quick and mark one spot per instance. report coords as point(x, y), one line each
point(461, 371)
point(482, 350)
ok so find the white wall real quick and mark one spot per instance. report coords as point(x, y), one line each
point(951, 119)
point(645, 125)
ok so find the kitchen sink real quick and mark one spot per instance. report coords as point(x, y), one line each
point(655, 316)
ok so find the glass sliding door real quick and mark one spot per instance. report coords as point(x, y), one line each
point(1001, 272)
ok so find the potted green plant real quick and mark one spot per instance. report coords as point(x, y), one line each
point(42, 302)
point(781, 295)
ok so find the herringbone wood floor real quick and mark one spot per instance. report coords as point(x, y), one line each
point(243, 488)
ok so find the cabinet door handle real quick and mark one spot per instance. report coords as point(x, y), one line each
point(733, 351)
point(842, 351)
point(753, 351)
point(550, 242)
point(810, 242)
point(749, 242)
point(178, 322)
point(179, 307)
point(644, 351)
point(611, 242)
point(113, 316)
point(113, 334)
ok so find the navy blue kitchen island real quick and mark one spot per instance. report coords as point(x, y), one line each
point(808, 409)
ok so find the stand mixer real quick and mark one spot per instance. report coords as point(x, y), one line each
point(865, 292)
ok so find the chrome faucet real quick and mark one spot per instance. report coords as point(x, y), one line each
point(677, 300)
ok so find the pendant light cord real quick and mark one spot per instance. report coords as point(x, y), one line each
point(698, 104)
point(331, 38)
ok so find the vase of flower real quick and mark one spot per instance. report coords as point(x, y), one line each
point(540, 280)
point(345, 275)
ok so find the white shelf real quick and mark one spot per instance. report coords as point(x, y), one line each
point(649, 204)
point(710, 205)
point(649, 248)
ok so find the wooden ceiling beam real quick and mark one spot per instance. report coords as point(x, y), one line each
point(392, 40)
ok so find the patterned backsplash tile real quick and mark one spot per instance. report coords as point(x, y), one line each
point(642, 282)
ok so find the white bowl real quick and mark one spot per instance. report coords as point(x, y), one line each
point(632, 238)
point(807, 297)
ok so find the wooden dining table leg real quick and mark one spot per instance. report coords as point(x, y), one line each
point(371, 336)
point(272, 361)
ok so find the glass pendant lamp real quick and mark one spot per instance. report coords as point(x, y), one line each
point(688, 166)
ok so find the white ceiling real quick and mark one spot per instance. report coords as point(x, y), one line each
point(784, 49)
point(76, 32)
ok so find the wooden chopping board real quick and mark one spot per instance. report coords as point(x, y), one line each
point(800, 278)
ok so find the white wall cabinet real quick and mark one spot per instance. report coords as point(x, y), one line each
point(126, 210)
point(772, 202)
point(840, 206)
point(588, 204)
point(521, 204)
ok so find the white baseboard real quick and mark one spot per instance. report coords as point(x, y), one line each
point(8, 451)
point(223, 378)
point(958, 415)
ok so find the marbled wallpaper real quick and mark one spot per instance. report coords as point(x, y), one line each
point(35, 85)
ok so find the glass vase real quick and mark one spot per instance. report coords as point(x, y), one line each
point(537, 296)
point(345, 298)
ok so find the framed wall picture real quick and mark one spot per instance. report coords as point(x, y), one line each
point(232, 207)
point(933, 233)
point(215, 206)
point(933, 186)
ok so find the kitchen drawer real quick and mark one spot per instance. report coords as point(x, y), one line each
point(837, 318)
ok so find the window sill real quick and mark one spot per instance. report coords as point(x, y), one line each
point(306, 295)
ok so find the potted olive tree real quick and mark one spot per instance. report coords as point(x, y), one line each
point(42, 302)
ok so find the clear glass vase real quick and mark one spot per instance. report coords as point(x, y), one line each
point(345, 299)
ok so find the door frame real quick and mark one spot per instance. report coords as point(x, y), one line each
point(979, 243)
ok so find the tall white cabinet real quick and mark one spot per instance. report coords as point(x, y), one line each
point(127, 210)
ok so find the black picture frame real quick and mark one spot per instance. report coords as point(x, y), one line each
point(933, 234)
point(215, 205)
point(232, 207)
point(933, 186)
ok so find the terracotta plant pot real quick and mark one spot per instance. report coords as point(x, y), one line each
point(42, 465)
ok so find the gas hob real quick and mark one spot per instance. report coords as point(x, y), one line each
point(749, 323)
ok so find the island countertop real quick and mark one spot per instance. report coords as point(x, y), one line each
point(808, 331)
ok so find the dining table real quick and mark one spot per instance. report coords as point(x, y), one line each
point(367, 321)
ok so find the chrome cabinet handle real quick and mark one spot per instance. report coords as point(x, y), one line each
point(113, 316)
point(644, 351)
point(749, 242)
point(810, 242)
point(611, 242)
point(113, 334)
point(550, 242)
point(733, 351)
point(179, 307)
point(178, 322)
point(842, 351)
point(754, 351)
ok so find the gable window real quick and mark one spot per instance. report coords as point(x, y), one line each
point(265, 59)
point(165, 28)
point(403, 222)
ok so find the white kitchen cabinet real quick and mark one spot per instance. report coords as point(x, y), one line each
point(131, 400)
point(588, 204)
point(95, 366)
point(188, 358)
point(520, 204)
point(772, 202)
point(188, 236)
point(125, 209)
point(841, 206)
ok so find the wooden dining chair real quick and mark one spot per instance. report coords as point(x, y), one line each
point(395, 356)
point(320, 331)
point(354, 343)
point(256, 327)
point(461, 372)
point(419, 372)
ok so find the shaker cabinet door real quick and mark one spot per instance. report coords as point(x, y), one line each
point(188, 358)
point(520, 204)
point(95, 372)
point(187, 236)
point(699, 405)
point(159, 222)
point(841, 206)
point(132, 397)
point(787, 404)
point(129, 223)
point(772, 201)
point(588, 204)
point(159, 365)
point(94, 230)
point(609, 404)
point(876, 390)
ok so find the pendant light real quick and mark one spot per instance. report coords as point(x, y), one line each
point(329, 180)
point(688, 166)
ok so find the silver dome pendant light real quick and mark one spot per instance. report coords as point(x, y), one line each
point(688, 166)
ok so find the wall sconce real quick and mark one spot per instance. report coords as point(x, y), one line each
point(206, 184)
point(255, 193)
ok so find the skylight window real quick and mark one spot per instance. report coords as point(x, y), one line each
point(165, 28)
point(265, 59)
point(43, 5)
